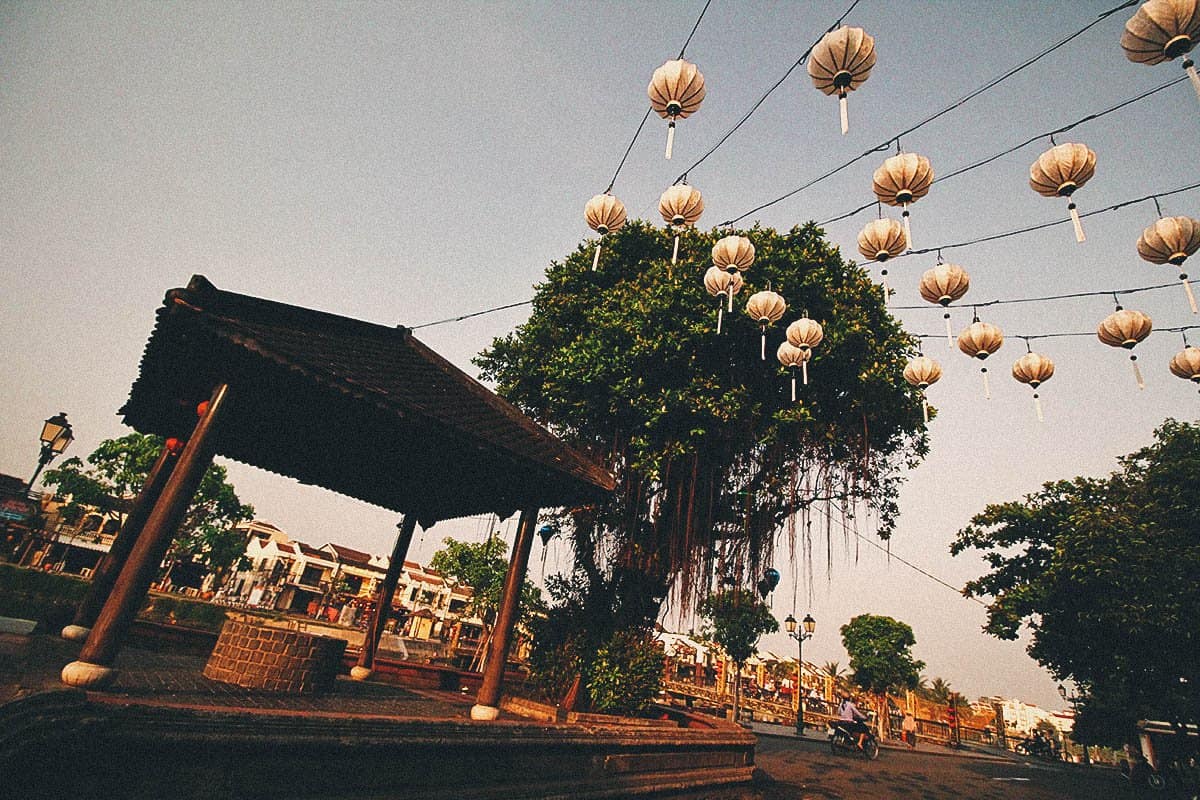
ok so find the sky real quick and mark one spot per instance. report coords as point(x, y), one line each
point(404, 163)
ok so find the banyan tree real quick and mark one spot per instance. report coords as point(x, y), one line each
point(715, 464)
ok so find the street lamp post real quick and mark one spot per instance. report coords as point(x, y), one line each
point(1074, 699)
point(56, 437)
point(807, 627)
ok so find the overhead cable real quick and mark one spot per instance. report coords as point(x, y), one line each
point(1031, 228)
point(646, 116)
point(956, 104)
point(1014, 148)
point(799, 62)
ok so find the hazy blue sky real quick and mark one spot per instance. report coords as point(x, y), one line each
point(403, 163)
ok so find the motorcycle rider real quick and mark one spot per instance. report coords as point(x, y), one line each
point(855, 720)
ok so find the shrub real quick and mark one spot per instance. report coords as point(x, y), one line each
point(626, 673)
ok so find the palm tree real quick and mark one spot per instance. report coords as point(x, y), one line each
point(940, 691)
point(834, 670)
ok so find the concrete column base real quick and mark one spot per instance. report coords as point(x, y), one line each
point(358, 673)
point(75, 633)
point(484, 713)
point(88, 676)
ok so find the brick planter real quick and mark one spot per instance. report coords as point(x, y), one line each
point(274, 659)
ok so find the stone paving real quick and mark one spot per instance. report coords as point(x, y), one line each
point(30, 664)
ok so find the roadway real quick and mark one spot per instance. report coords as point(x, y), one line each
point(794, 769)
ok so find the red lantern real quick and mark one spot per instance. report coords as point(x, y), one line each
point(174, 445)
point(202, 409)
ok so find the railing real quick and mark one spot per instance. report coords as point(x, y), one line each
point(772, 708)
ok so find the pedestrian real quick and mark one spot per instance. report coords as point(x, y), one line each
point(909, 727)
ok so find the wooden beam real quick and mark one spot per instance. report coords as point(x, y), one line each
point(94, 669)
point(383, 599)
point(487, 704)
point(105, 575)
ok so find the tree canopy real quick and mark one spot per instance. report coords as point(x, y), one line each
point(880, 650)
point(735, 620)
point(114, 474)
point(482, 566)
point(712, 457)
point(1103, 572)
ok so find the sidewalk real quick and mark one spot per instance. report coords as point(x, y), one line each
point(818, 735)
point(32, 664)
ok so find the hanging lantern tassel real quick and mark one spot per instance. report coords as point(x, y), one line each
point(949, 333)
point(1037, 404)
point(987, 388)
point(1187, 287)
point(883, 282)
point(675, 252)
point(924, 408)
point(720, 315)
point(1189, 66)
point(730, 292)
point(794, 384)
point(908, 245)
point(845, 114)
point(764, 342)
point(1079, 237)
point(596, 258)
point(804, 369)
point(1137, 372)
point(670, 138)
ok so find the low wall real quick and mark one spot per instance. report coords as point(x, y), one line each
point(275, 659)
point(62, 745)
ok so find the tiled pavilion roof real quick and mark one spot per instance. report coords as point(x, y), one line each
point(362, 409)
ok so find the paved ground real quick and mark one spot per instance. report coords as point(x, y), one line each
point(789, 768)
point(30, 664)
point(793, 769)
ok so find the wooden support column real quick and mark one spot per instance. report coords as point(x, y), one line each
point(487, 703)
point(106, 572)
point(383, 599)
point(94, 669)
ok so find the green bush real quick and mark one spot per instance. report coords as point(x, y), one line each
point(184, 612)
point(626, 673)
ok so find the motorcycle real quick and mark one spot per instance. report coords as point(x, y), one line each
point(844, 739)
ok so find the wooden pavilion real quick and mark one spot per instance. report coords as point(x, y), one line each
point(361, 409)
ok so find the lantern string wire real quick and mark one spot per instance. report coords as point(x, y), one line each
point(937, 249)
point(704, 10)
point(956, 104)
point(649, 110)
point(1044, 299)
point(1061, 335)
point(1026, 143)
point(1043, 225)
point(798, 63)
